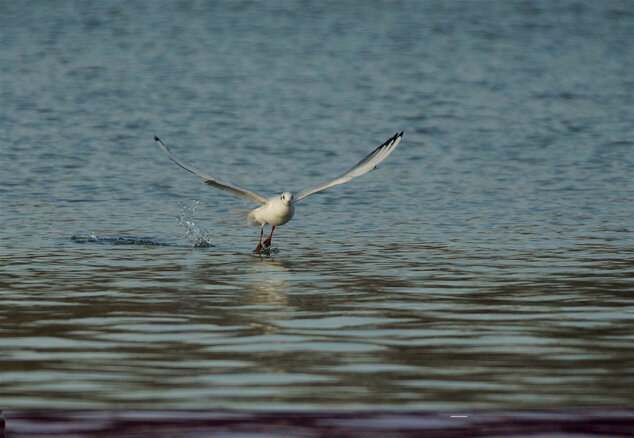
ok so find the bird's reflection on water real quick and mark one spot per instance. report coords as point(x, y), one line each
point(260, 287)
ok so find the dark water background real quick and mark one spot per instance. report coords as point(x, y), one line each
point(488, 264)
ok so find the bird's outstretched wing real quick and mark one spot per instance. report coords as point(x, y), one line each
point(210, 180)
point(362, 167)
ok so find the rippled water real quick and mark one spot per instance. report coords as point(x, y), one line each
point(486, 264)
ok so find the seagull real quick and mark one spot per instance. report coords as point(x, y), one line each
point(280, 209)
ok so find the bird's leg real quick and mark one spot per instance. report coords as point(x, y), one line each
point(267, 242)
point(259, 247)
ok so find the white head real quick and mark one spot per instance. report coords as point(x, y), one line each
point(287, 197)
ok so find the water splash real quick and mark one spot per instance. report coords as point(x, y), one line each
point(116, 240)
point(200, 236)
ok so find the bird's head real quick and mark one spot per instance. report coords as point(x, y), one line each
point(287, 197)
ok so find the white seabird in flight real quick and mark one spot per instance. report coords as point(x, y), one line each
point(280, 209)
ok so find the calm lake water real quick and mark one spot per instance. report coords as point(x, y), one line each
point(487, 264)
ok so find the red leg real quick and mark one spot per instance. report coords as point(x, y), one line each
point(267, 242)
point(259, 247)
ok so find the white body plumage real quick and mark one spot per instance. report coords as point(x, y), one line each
point(277, 211)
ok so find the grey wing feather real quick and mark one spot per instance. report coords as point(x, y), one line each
point(362, 167)
point(210, 180)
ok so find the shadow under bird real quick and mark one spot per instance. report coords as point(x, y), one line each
point(280, 209)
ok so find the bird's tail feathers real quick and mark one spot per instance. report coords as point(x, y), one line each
point(245, 214)
point(251, 219)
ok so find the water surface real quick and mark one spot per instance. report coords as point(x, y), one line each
point(487, 264)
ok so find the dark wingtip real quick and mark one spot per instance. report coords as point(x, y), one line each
point(156, 138)
point(401, 134)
